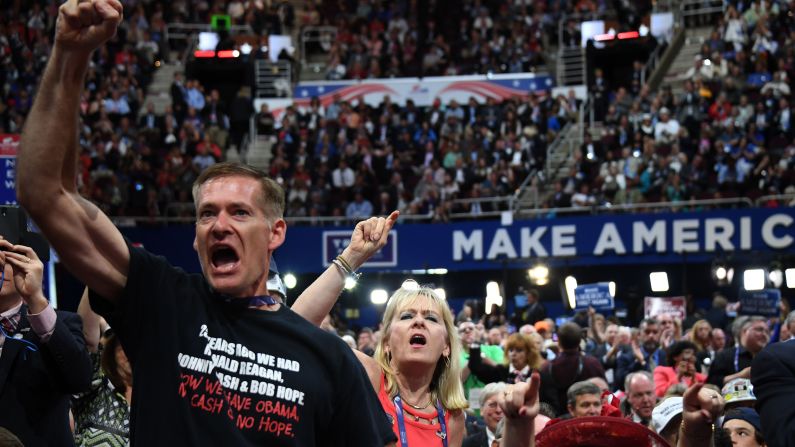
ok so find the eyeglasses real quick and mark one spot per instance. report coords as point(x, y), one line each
point(466, 329)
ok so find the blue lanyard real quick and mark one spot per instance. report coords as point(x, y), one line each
point(737, 359)
point(404, 441)
point(250, 301)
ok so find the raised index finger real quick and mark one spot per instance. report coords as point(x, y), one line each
point(390, 220)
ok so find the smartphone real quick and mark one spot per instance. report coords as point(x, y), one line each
point(13, 223)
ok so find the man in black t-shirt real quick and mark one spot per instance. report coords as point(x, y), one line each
point(216, 360)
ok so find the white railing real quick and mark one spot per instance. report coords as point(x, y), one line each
point(502, 202)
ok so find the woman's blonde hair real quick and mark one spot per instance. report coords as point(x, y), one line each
point(525, 343)
point(694, 331)
point(446, 382)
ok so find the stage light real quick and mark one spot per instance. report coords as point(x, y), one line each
point(571, 283)
point(659, 281)
point(378, 296)
point(539, 274)
point(754, 279)
point(789, 274)
point(776, 277)
point(350, 283)
point(246, 48)
point(720, 273)
point(410, 284)
point(493, 297)
point(441, 292)
point(290, 281)
point(611, 288)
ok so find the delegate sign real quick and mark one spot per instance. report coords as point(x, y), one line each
point(594, 295)
point(760, 302)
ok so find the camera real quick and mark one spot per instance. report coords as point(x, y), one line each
point(14, 228)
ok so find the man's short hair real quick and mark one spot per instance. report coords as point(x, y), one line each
point(569, 335)
point(631, 376)
point(647, 322)
point(271, 199)
point(790, 319)
point(751, 320)
point(581, 388)
point(489, 391)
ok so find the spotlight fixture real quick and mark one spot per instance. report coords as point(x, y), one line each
point(290, 281)
point(659, 281)
point(378, 296)
point(539, 274)
point(754, 279)
point(570, 283)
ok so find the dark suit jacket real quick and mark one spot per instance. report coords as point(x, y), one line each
point(627, 363)
point(479, 439)
point(558, 375)
point(36, 386)
point(773, 377)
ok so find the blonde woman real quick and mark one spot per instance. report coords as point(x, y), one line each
point(701, 336)
point(415, 369)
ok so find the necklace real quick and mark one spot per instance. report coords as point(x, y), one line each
point(417, 407)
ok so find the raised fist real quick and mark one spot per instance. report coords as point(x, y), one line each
point(84, 25)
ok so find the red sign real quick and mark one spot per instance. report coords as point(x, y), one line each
point(654, 306)
point(8, 144)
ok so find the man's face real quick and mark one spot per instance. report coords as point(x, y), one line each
point(666, 322)
point(495, 336)
point(610, 334)
point(234, 239)
point(365, 340)
point(641, 396)
point(718, 339)
point(755, 336)
point(650, 336)
point(586, 405)
point(467, 332)
point(491, 412)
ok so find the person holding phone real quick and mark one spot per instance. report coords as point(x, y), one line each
point(43, 358)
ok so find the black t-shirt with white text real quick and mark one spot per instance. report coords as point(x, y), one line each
point(209, 373)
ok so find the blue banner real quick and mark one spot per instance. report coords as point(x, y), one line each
point(335, 241)
point(8, 168)
point(479, 245)
point(594, 295)
point(760, 302)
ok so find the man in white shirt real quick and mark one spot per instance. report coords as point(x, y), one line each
point(666, 129)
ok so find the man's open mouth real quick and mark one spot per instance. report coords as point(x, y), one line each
point(224, 258)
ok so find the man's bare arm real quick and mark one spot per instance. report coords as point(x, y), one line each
point(86, 240)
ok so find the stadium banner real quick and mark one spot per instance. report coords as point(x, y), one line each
point(653, 238)
point(8, 168)
point(423, 91)
point(654, 306)
point(596, 295)
point(760, 302)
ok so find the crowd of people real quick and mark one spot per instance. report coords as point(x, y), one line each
point(219, 358)
point(598, 366)
point(729, 133)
